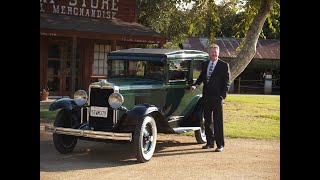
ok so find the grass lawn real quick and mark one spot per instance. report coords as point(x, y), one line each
point(252, 116)
point(245, 116)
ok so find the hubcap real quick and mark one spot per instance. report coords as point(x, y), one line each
point(68, 140)
point(147, 138)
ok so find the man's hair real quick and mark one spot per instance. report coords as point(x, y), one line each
point(213, 46)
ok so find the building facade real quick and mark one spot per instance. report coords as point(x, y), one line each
point(76, 35)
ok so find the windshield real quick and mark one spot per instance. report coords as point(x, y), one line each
point(136, 69)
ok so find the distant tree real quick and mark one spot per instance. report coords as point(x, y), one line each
point(236, 18)
point(165, 17)
point(271, 27)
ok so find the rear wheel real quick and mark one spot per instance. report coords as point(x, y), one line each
point(145, 139)
point(200, 134)
point(64, 143)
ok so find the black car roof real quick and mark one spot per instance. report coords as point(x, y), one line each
point(155, 51)
point(159, 52)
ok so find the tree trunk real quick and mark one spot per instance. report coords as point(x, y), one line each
point(248, 50)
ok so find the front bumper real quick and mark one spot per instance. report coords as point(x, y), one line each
point(89, 133)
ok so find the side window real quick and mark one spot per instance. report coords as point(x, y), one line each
point(196, 69)
point(155, 69)
point(179, 70)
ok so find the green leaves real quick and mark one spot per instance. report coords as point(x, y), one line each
point(204, 18)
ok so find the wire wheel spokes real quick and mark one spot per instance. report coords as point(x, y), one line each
point(148, 138)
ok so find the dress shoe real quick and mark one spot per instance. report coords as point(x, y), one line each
point(207, 146)
point(219, 149)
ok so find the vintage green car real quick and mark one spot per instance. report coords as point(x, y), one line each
point(147, 92)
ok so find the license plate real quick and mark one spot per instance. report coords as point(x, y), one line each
point(99, 111)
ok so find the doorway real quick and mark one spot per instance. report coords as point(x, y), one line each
point(59, 68)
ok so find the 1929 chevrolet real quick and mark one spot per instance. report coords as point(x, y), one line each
point(147, 91)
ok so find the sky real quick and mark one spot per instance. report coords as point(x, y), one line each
point(189, 5)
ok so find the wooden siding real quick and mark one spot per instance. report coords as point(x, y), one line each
point(43, 61)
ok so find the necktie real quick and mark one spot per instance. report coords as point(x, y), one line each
point(210, 71)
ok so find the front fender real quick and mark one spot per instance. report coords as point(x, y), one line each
point(131, 118)
point(64, 103)
point(141, 110)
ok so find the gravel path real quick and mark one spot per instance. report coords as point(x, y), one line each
point(176, 157)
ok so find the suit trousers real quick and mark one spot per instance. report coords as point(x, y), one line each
point(213, 115)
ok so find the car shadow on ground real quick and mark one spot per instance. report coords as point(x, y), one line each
point(92, 155)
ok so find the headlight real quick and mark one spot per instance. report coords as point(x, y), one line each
point(80, 97)
point(115, 100)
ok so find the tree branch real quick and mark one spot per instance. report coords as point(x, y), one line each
point(248, 50)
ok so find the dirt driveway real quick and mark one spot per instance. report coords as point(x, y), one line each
point(176, 157)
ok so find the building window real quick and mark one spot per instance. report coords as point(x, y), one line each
point(100, 66)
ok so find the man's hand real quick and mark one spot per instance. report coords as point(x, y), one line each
point(192, 88)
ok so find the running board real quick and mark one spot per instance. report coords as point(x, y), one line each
point(181, 130)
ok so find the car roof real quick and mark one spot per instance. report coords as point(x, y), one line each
point(169, 53)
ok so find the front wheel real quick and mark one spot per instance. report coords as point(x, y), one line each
point(145, 139)
point(64, 143)
point(200, 134)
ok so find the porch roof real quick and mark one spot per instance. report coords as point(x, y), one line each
point(101, 26)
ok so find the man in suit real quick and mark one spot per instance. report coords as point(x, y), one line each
point(215, 76)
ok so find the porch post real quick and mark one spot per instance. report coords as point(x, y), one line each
point(73, 65)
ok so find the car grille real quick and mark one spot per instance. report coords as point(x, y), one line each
point(99, 97)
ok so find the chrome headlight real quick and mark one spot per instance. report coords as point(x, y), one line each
point(80, 97)
point(115, 100)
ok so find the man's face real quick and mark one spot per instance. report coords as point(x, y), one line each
point(214, 53)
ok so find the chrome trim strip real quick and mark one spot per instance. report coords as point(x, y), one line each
point(89, 133)
point(138, 87)
point(117, 116)
point(114, 119)
point(88, 111)
point(81, 117)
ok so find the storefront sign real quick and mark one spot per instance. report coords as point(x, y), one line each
point(48, 34)
point(105, 9)
point(140, 40)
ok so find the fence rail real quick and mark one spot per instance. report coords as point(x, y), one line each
point(259, 86)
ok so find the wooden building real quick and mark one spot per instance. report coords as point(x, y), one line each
point(76, 35)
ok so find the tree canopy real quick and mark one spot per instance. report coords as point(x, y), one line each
point(247, 19)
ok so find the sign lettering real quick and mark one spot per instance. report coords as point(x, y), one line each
point(105, 9)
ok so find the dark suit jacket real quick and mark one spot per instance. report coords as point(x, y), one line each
point(219, 81)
